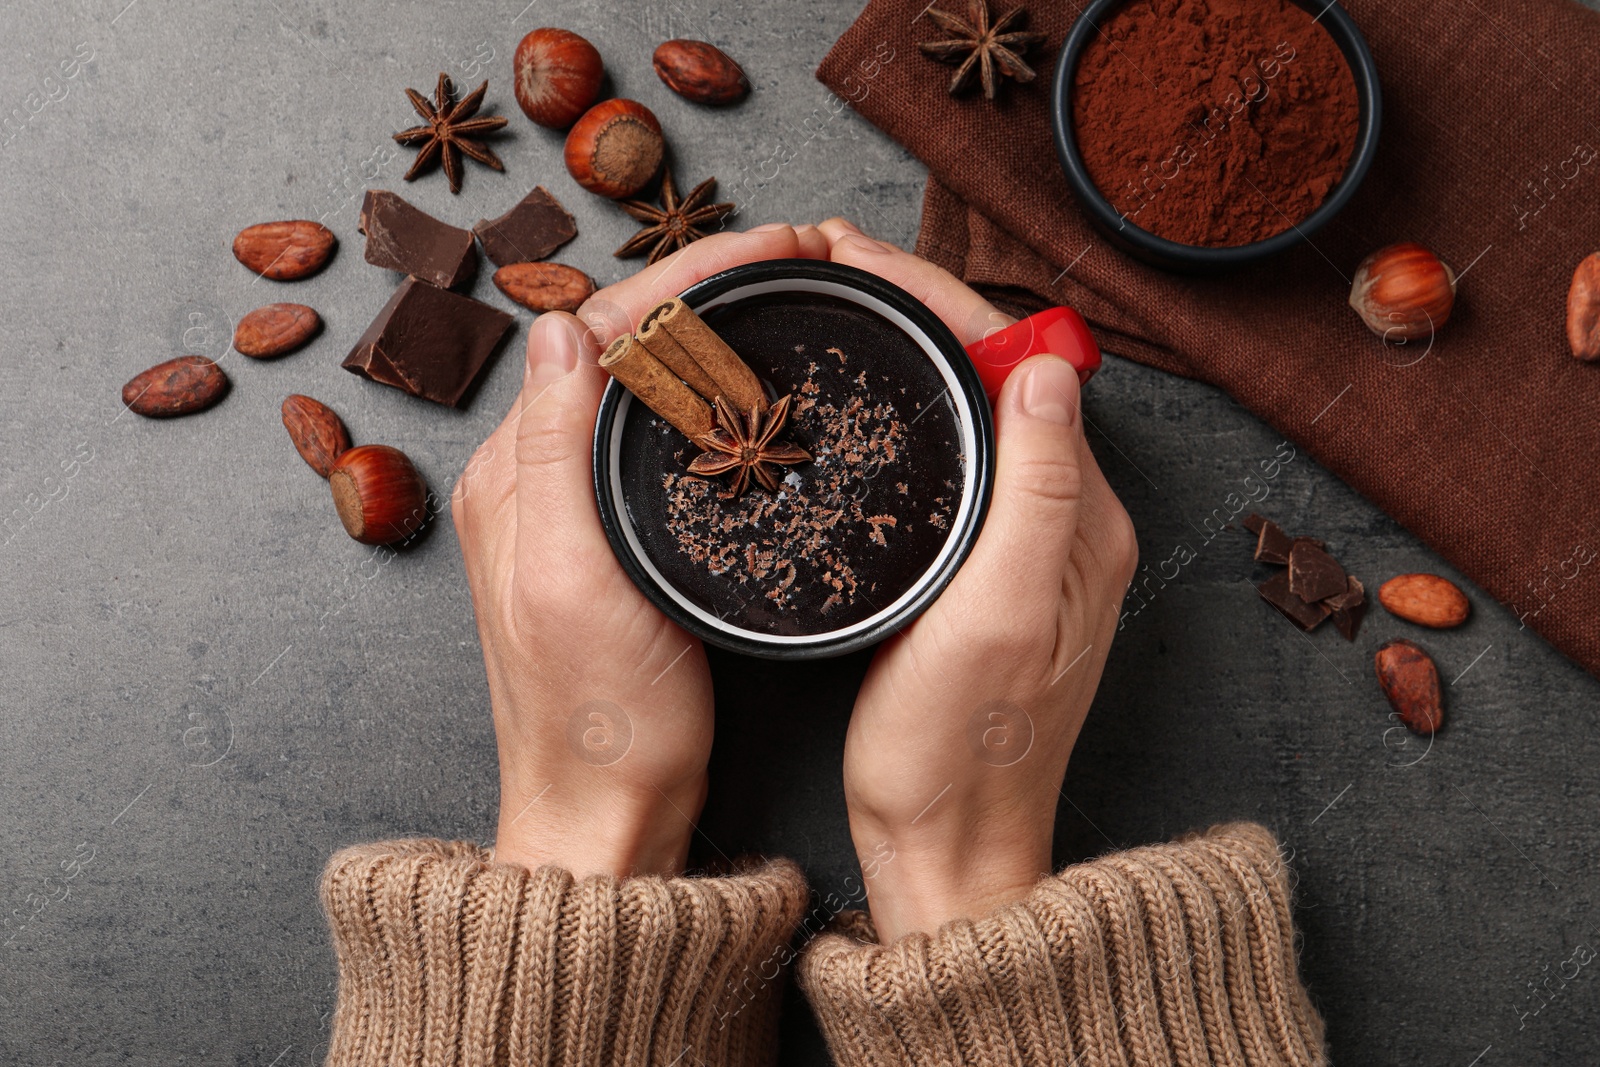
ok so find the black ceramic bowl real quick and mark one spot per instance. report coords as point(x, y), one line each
point(636, 454)
point(1196, 259)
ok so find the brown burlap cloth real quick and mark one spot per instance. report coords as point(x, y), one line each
point(1487, 447)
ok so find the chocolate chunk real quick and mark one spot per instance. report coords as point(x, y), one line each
point(1275, 591)
point(1313, 542)
point(532, 230)
point(407, 239)
point(1254, 523)
point(1272, 544)
point(1348, 608)
point(1354, 595)
point(1313, 574)
point(429, 342)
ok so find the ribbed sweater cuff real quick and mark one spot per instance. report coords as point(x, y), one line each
point(1174, 954)
point(447, 958)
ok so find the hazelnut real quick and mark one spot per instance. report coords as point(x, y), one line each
point(379, 495)
point(1403, 292)
point(616, 148)
point(1583, 309)
point(700, 72)
point(556, 75)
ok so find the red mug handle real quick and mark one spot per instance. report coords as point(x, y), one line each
point(1058, 330)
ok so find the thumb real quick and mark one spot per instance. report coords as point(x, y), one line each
point(555, 425)
point(1027, 538)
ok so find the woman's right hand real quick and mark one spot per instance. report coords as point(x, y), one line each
point(965, 722)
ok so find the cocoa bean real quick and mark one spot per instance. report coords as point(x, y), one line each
point(284, 251)
point(179, 386)
point(1583, 309)
point(275, 330)
point(544, 286)
point(1411, 682)
point(317, 432)
point(701, 72)
point(1425, 599)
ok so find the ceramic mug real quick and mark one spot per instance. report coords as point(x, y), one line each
point(855, 545)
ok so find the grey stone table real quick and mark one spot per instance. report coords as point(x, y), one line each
point(208, 687)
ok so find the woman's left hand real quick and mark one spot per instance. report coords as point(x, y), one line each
point(602, 707)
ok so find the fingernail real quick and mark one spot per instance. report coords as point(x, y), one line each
point(850, 227)
point(805, 228)
point(1051, 390)
point(552, 354)
point(768, 227)
point(863, 243)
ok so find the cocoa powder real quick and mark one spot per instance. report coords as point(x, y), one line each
point(1214, 122)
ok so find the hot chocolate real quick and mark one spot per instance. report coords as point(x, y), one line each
point(845, 535)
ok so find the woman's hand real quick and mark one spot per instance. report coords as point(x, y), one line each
point(964, 724)
point(602, 707)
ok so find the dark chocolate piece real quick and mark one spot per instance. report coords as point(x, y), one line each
point(1275, 591)
point(405, 238)
point(1313, 574)
point(1272, 544)
point(1315, 542)
point(1348, 608)
point(536, 227)
point(1254, 523)
point(428, 342)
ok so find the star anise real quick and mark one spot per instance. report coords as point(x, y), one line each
point(451, 131)
point(992, 50)
point(747, 444)
point(676, 223)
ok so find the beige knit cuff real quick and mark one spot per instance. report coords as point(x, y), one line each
point(448, 958)
point(1174, 954)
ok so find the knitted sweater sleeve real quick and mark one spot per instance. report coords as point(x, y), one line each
point(1166, 956)
point(447, 958)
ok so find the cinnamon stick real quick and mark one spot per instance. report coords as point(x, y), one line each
point(657, 387)
point(654, 336)
point(672, 327)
